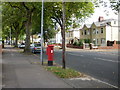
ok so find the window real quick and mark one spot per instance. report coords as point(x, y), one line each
point(88, 32)
point(94, 31)
point(85, 32)
point(94, 41)
point(101, 30)
point(82, 32)
point(97, 31)
point(114, 22)
point(102, 40)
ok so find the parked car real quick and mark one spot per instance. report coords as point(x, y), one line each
point(36, 47)
point(22, 45)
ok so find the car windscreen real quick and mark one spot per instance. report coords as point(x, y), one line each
point(37, 45)
point(22, 44)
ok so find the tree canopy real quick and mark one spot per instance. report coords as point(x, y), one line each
point(115, 5)
point(25, 16)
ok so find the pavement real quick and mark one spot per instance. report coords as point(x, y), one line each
point(20, 71)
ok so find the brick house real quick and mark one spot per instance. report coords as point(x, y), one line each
point(101, 31)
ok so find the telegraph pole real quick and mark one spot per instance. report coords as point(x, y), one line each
point(41, 54)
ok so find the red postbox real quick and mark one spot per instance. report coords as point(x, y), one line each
point(50, 53)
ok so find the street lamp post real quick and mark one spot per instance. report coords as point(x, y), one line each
point(63, 35)
point(41, 54)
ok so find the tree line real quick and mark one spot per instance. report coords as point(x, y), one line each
point(25, 18)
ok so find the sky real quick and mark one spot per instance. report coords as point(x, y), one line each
point(100, 12)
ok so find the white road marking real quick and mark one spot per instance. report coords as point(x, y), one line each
point(96, 58)
point(106, 60)
point(82, 78)
point(105, 82)
point(75, 54)
point(114, 54)
point(89, 78)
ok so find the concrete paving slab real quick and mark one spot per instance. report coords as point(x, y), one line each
point(20, 73)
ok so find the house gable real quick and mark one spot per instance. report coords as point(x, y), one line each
point(93, 25)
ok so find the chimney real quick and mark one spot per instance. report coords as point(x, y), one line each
point(100, 18)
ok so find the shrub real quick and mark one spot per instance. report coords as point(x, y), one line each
point(80, 43)
point(87, 41)
point(75, 43)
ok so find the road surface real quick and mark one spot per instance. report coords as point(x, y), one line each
point(102, 65)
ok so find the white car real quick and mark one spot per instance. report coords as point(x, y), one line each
point(22, 46)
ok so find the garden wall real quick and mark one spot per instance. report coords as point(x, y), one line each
point(72, 46)
point(114, 46)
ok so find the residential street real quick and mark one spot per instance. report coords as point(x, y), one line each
point(102, 65)
point(20, 70)
point(60, 44)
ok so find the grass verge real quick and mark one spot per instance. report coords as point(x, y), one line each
point(64, 73)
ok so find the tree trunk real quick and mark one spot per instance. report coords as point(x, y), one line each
point(27, 41)
point(16, 41)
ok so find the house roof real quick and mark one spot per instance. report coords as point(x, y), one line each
point(104, 22)
point(101, 23)
point(88, 25)
point(74, 29)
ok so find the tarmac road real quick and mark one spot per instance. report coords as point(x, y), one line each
point(102, 65)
